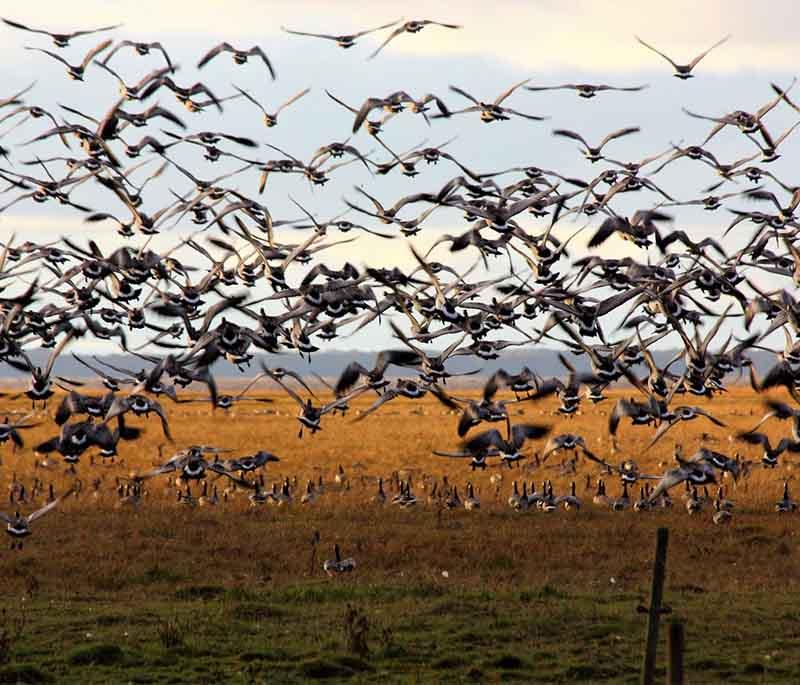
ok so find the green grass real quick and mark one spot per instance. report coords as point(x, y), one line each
point(296, 634)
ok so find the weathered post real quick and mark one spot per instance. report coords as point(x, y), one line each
point(675, 646)
point(654, 610)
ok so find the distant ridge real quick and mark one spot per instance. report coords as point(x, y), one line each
point(330, 364)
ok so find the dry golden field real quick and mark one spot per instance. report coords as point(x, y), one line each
point(233, 593)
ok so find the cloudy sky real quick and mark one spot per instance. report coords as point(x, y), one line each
point(500, 43)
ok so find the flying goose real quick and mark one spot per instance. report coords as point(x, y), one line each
point(490, 111)
point(61, 40)
point(10, 431)
point(594, 154)
point(344, 40)
point(142, 49)
point(769, 457)
point(239, 56)
point(18, 526)
point(76, 72)
point(414, 26)
point(684, 71)
point(271, 119)
point(588, 90)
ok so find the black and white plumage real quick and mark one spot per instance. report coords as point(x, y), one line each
point(338, 565)
point(140, 405)
point(18, 526)
point(769, 457)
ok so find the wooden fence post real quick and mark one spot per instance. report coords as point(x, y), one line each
point(654, 610)
point(675, 646)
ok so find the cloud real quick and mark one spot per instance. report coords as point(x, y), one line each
point(535, 35)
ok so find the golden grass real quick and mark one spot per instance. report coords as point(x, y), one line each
point(401, 437)
point(91, 550)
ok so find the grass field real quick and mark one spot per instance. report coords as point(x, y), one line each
point(170, 594)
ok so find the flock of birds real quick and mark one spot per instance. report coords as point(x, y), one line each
point(243, 287)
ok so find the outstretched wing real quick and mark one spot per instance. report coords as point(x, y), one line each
point(658, 52)
point(392, 36)
point(213, 52)
point(694, 62)
point(48, 507)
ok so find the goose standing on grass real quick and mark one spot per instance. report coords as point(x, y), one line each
point(623, 502)
point(571, 501)
point(284, 497)
point(534, 497)
point(694, 505)
point(643, 503)
point(338, 565)
point(259, 496)
point(380, 496)
point(130, 496)
point(721, 502)
point(722, 516)
point(785, 505)
point(187, 499)
point(600, 498)
point(206, 500)
point(453, 501)
point(514, 499)
point(407, 498)
point(310, 495)
point(470, 501)
point(547, 503)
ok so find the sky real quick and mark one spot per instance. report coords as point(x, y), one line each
point(500, 44)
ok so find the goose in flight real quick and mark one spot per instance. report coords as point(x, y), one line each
point(414, 26)
point(684, 71)
point(61, 40)
point(239, 56)
point(77, 71)
point(344, 40)
point(19, 526)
